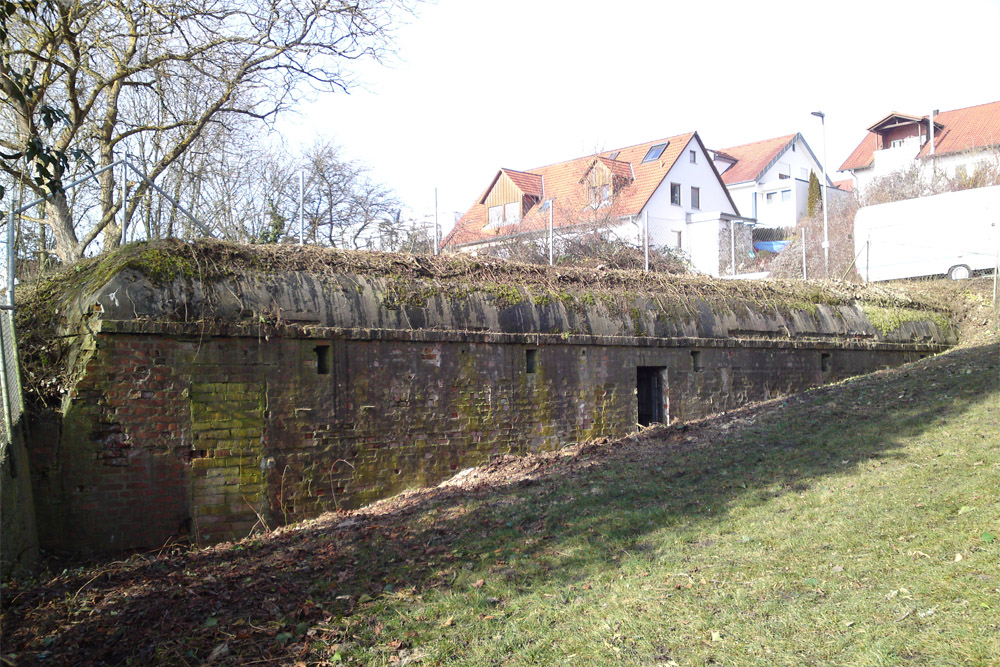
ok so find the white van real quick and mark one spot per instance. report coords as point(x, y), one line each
point(953, 234)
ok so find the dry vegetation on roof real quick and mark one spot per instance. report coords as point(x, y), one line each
point(163, 261)
point(40, 311)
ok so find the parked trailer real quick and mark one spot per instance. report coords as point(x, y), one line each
point(953, 234)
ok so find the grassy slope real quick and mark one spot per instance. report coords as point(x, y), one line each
point(827, 531)
point(857, 524)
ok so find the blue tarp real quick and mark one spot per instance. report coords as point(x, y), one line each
point(770, 246)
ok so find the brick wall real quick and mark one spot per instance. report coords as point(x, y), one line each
point(183, 432)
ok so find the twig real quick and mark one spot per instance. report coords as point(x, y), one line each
point(260, 519)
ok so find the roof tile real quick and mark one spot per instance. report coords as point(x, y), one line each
point(963, 129)
point(571, 199)
point(752, 159)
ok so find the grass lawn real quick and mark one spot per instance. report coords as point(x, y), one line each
point(856, 524)
point(859, 524)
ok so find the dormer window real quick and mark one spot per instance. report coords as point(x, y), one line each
point(600, 195)
point(511, 194)
point(604, 179)
point(655, 152)
point(512, 213)
point(507, 214)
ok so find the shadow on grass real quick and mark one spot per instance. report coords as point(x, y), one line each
point(263, 597)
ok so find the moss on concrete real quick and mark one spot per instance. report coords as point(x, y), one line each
point(888, 320)
point(397, 281)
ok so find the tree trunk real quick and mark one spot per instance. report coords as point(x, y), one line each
point(59, 218)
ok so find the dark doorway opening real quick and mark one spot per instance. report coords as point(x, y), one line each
point(323, 359)
point(649, 386)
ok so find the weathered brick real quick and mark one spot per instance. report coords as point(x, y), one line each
point(193, 442)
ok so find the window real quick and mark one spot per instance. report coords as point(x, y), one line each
point(600, 195)
point(675, 194)
point(824, 362)
point(507, 214)
point(531, 361)
point(322, 359)
point(496, 215)
point(695, 198)
point(786, 195)
point(696, 364)
point(512, 212)
point(784, 171)
point(678, 239)
point(694, 157)
point(613, 155)
point(654, 152)
point(770, 198)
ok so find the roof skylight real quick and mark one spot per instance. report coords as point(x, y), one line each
point(655, 152)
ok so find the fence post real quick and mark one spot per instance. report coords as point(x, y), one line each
point(10, 256)
point(437, 226)
point(645, 233)
point(996, 270)
point(732, 247)
point(124, 199)
point(302, 189)
point(550, 234)
point(868, 259)
point(805, 271)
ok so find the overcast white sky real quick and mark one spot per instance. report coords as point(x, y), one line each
point(480, 85)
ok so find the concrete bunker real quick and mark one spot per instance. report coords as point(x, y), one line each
point(212, 388)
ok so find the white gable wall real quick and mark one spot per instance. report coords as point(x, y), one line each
point(665, 218)
point(745, 197)
point(781, 202)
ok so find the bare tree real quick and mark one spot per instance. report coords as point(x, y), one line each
point(840, 225)
point(410, 236)
point(162, 72)
point(344, 206)
point(922, 180)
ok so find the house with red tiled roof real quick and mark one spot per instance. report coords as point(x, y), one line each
point(949, 142)
point(769, 180)
point(669, 186)
point(847, 185)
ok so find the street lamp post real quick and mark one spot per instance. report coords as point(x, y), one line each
point(826, 224)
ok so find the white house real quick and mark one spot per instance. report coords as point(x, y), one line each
point(769, 180)
point(671, 184)
point(950, 142)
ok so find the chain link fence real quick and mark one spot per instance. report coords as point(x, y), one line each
point(10, 377)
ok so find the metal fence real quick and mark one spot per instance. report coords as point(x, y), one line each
point(10, 378)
